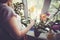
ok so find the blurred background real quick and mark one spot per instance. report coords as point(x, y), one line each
point(46, 14)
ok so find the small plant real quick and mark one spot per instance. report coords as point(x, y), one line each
point(18, 7)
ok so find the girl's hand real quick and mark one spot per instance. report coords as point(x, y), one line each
point(32, 22)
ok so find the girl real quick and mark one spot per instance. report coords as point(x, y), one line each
point(10, 29)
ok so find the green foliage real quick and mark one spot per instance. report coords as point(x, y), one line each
point(17, 8)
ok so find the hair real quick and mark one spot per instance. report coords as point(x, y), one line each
point(3, 1)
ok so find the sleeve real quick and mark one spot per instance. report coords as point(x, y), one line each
point(7, 14)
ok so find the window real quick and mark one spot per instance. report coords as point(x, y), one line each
point(18, 7)
point(34, 8)
point(15, 1)
point(54, 6)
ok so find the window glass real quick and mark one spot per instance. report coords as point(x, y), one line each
point(34, 8)
point(15, 1)
point(18, 7)
point(54, 6)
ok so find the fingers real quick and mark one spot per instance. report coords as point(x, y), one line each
point(32, 22)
